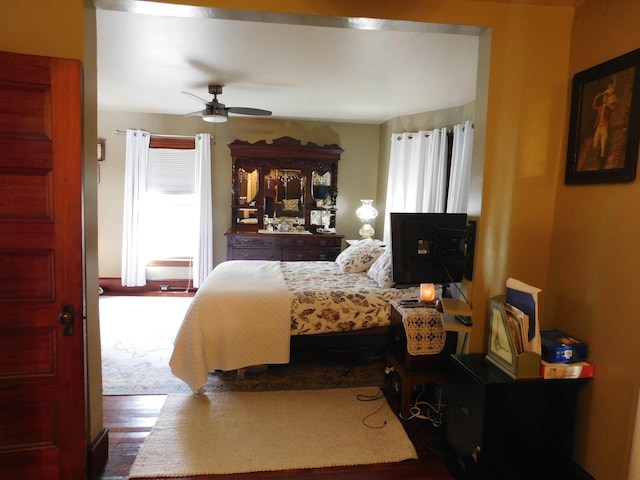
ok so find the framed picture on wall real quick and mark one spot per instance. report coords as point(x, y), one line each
point(604, 126)
point(101, 149)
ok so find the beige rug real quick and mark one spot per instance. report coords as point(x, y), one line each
point(241, 432)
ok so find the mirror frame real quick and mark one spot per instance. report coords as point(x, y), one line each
point(282, 153)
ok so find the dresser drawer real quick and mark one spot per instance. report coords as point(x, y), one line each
point(298, 255)
point(256, 241)
point(283, 247)
point(314, 241)
point(256, 254)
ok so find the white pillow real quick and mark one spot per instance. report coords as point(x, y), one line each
point(382, 270)
point(359, 257)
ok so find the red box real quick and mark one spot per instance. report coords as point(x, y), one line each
point(566, 370)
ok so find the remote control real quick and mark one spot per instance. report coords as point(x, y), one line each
point(466, 321)
point(409, 302)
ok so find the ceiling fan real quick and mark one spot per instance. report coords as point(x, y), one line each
point(216, 112)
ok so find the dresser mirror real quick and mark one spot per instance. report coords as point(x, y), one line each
point(321, 187)
point(283, 181)
point(284, 193)
point(247, 186)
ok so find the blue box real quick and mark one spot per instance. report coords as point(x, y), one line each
point(558, 347)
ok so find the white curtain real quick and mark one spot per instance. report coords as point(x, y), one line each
point(203, 257)
point(417, 174)
point(459, 178)
point(135, 180)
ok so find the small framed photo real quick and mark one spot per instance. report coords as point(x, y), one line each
point(500, 348)
point(604, 126)
point(101, 149)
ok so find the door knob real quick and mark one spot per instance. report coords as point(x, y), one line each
point(66, 319)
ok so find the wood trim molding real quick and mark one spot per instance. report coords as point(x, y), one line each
point(178, 143)
point(170, 262)
point(98, 455)
point(113, 286)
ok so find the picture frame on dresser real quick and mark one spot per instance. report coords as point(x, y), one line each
point(604, 127)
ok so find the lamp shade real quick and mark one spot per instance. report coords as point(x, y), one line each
point(427, 292)
point(366, 213)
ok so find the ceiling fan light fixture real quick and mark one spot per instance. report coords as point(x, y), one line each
point(214, 115)
point(214, 118)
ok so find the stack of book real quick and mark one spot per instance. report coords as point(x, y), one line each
point(563, 356)
point(566, 370)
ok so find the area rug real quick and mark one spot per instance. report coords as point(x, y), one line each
point(242, 432)
point(137, 335)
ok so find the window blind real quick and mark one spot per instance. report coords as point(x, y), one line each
point(171, 171)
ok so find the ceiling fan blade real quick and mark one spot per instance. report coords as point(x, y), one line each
point(194, 114)
point(201, 100)
point(248, 111)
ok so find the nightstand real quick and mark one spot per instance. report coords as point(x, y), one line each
point(499, 427)
point(417, 369)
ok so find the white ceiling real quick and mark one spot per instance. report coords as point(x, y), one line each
point(297, 66)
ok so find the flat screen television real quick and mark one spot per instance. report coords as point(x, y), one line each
point(428, 247)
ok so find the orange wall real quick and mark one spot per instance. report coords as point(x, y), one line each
point(525, 127)
point(40, 27)
point(594, 261)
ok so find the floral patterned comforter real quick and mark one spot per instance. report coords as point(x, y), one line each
point(325, 300)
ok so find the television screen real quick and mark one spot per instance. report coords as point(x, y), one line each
point(428, 247)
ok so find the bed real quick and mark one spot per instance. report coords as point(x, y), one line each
point(246, 312)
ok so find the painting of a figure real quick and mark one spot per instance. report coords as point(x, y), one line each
point(603, 137)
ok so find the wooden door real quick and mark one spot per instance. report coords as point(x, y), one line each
point(42, 379)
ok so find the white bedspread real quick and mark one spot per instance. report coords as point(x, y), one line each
point(253, 328)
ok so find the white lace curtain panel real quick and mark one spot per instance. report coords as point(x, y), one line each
point(417, 180)
point(136, 162)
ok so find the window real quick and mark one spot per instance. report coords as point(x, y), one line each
point(168, 207)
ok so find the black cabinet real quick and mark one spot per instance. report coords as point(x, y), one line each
point(501, 428)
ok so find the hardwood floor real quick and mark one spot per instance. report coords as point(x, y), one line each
point(129, 420)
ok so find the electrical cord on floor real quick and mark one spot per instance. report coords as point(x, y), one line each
point(417, 411)
point(376, 396)
point(371, 398)
point(423, 410)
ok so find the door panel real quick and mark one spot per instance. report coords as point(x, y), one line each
point(42, 369)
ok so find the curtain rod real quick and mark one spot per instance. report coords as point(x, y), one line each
point(160, 135)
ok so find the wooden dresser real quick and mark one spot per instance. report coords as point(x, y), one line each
point(289, 247)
